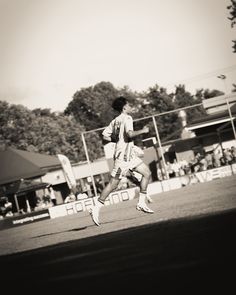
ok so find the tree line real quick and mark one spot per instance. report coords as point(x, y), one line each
point(46, 132)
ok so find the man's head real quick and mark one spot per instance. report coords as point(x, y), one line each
point(121, 104)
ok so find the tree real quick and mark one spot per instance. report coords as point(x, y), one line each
point(184, 98)
point(91, 106)
point(232, 18)
point(52, 133)
point(41, 131)
point(157, 100)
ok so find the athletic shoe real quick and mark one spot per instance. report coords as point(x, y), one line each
point(144, 208)
point(149, 199)
point(94, 214)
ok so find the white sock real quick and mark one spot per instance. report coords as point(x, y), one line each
point(142, 198)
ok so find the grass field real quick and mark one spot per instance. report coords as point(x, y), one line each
point(188, 241)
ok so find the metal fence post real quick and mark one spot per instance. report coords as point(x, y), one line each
point(159, 142)
point(231, 117)
point(89, 164)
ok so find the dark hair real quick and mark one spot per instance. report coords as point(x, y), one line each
point(119, 103)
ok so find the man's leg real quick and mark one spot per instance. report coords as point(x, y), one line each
point(113, 183)
point(132, 177)
point(146, 175)
point(94, 211)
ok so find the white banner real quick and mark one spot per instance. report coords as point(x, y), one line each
point(85, 204)
point(68, 172)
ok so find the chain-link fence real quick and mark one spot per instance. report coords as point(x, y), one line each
point(185, 140)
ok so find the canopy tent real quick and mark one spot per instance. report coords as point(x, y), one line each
point(44, 162)
point(14, 166)
point(22, 188)
point(25, 186)
point(17, 164)
point(18, 170)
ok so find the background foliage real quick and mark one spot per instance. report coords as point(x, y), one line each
point(232, 18)
point(46, 132)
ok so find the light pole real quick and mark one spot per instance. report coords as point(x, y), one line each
point(223, 78)
point(160, 146)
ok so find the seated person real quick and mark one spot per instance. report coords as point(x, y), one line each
point(5, 207)
point(81, 196)
point(70, 198)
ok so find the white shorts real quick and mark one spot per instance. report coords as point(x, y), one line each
point(121, 167)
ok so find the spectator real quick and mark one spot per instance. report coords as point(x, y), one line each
point(169, 169)
point(82, 196)
point(123, 184)
point(159, 174)
point(176, 167)
point(181, 171)
point(227, 156)
point(203, 164)
point(5, 207)
point(216, 159)
point(187, 169)
point(46, 200)
point(52, 195)
point(209, 160)
point(99, 185)
point(194, 164)
point(70, 198)
point(39, 204)
point(182, 164)
point(233, 153)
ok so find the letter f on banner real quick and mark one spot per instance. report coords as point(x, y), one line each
point(68, 172)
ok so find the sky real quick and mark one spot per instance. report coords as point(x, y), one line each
point(49, 49)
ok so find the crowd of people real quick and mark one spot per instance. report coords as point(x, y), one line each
point(47, 200)
point(72, 197)
point(199, 162)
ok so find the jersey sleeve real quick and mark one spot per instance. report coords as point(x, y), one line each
point(129, 124)
point(108, 130)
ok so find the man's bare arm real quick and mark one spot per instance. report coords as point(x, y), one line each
point(133, 134)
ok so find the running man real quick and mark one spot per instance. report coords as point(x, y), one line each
point(126, 159)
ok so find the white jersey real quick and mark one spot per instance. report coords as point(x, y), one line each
point(118, 129)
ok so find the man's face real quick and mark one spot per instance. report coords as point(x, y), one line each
point(129, 108)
